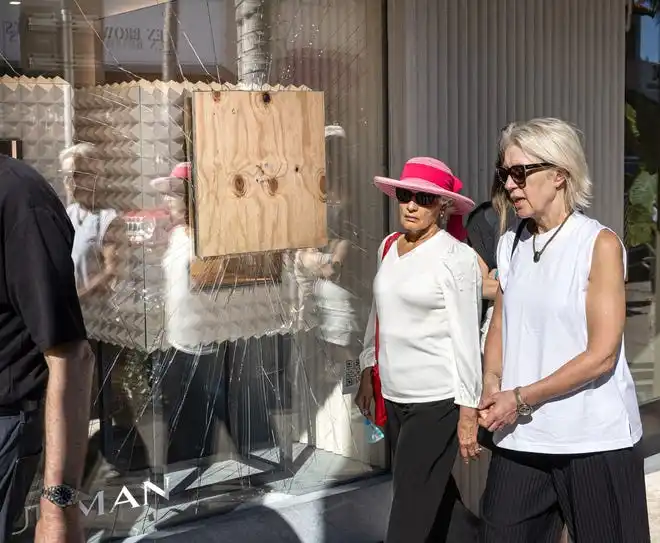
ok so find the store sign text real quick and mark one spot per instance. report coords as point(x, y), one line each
point(98, 503)
point(10, 31)
point(125, 497)
point(133, 37)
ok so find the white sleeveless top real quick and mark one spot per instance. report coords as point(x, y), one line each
point(544, 326)
point(90, 228)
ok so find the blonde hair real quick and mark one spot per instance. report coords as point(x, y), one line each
point(499, 196)
point(499, 199)
point(83, 157)
point(558, 143)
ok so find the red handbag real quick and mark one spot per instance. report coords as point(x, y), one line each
point(380, 413)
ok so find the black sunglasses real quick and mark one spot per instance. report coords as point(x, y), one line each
point(423, 199)
point(519, 172)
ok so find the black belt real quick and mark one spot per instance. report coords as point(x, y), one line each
point(25, 406)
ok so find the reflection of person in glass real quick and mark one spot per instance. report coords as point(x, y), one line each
point(191, 372)
point(557, 389)
point(427, 298)
point(318, 273)
point(334, 301)
point(96, 251)
point(324, 303)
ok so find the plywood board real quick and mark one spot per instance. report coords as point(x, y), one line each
point(258, 171)
point(235, 271)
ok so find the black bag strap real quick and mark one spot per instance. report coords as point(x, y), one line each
point(519, 232)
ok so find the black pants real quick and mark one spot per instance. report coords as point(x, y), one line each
point(426, 506)
point(194, 389)
point(601, 497)
point(21, 438)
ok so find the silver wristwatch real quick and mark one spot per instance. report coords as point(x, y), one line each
point(60, 495)
point(523, 409)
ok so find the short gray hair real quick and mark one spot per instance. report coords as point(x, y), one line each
point(559, 143)
point(81, 157)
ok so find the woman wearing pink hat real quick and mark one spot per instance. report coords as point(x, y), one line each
point(191, 373)
point(424, 331)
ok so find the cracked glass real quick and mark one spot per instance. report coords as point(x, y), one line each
point(212, 390)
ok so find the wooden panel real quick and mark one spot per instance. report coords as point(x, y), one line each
point(235, 271)
point(258, 171)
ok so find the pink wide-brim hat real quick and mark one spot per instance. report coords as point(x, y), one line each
point(425, 174)
point(174, 184)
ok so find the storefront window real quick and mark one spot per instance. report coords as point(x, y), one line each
point(641, 191)
point(211, 390)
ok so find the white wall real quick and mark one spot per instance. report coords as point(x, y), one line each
point(459, 71)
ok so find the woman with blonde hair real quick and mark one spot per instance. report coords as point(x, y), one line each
point(557, 389)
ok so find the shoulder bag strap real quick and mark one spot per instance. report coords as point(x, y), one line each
point(388, 245)
point(519, 232)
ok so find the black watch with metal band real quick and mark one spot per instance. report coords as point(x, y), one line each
point(60, 495)
point(523, 409)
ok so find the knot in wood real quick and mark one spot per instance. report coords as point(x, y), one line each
point(239, 186)
point(322, 188)
point(272, 185)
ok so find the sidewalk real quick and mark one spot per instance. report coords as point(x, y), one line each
point(338, 517)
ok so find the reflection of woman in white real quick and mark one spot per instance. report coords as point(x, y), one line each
point(98, 249)
point(98, 232)
point(319, 272)
point(192, 372)
point(330, 306)
point(427, 298)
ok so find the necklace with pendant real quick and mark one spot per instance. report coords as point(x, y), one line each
point(537, 254)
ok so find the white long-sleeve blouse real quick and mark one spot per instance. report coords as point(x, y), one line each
point(428, 303)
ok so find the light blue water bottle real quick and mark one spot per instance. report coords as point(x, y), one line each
point(373, 432)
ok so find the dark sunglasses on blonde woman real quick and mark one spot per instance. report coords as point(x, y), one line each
point(518, 173)
point(423, 199)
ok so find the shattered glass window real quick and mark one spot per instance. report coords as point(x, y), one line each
point(219, 388)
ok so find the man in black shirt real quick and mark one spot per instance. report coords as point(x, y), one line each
point(46, 364)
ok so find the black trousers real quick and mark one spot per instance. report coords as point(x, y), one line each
point(426, 505)
point(601, 498)
point(21, 438)
point(194, 389)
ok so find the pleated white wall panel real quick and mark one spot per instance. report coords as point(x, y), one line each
point(461, 69)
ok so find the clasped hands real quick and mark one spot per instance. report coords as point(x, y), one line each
point(497, 408)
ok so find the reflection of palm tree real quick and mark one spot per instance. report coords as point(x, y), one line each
point(250, 32)
point(170, 39)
